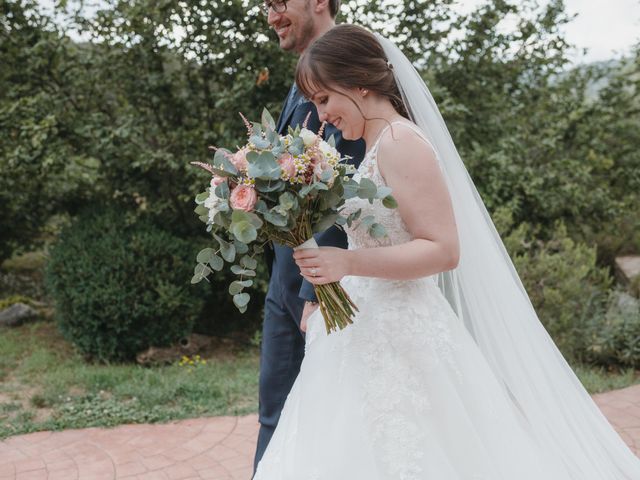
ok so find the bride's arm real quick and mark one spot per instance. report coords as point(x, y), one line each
point(410, 168)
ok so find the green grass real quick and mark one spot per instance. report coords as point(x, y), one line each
point(45, 385)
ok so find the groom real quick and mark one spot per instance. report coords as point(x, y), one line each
point(290, 299)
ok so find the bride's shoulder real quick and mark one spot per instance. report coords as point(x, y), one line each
point(403, 144)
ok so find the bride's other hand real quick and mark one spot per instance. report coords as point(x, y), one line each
point(323, 265)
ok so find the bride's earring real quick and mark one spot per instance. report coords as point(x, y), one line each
point(364, 92)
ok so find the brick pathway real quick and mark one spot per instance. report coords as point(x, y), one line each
point(219, 448)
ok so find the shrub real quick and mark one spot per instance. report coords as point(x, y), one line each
point(561, 276)
point(614, 336)
point(121, 285)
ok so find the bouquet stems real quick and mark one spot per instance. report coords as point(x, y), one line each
point(336, 306)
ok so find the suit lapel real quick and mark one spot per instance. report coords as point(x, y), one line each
point(293, 100)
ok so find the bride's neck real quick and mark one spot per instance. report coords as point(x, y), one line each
point(379, 117)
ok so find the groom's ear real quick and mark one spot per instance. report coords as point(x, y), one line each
point(322, 6)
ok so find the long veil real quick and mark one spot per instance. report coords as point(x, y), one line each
point(487, 294)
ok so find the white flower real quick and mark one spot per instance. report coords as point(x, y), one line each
point(308, 137)
point(212, 203)
point(329, 152)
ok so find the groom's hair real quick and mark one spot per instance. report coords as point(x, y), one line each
point(334, 7)
point(347, 57)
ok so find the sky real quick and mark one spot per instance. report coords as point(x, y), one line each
point(607, 28)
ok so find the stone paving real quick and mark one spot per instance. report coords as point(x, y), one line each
point(219, 448)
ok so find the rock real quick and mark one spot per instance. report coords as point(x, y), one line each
point(17, 314)
point(628, 271)
point(628, 267)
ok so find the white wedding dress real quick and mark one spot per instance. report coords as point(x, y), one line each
point(404, 393)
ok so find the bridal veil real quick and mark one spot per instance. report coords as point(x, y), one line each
point(488, 296)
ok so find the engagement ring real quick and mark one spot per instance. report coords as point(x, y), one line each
point(314, 272)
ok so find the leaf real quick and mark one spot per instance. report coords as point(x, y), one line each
point(201, 197)
point(222, 191)
point(241, 248)
point(216, 263)
point(377, 231)
point(368, 220)
point(221, 161)
point(248, 262)
point(235, 288)
point(267, 186)
point(350, 189)
point(244, 231)
point(201, 210)
point(241, 300)
point(383, 192)
point(264, 167)
point(267, 120)
point(367, 189)
point(196, 279)
point(332, 141)
point(288, 201)
point(389, 202)
point(227, 250)
point(276, 219)
point(205, 255)
point(202, 270)
point(325, 223)
point(238, 270)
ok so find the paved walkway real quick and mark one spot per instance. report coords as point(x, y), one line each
point(219, 448)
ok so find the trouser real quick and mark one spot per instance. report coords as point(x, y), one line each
point(281, 354)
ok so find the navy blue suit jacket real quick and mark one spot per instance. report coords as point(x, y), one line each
point(280, 258)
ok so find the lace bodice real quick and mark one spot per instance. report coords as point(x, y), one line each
point(397, 231)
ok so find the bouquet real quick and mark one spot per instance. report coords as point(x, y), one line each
point(280, 188)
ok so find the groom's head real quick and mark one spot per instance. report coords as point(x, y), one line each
point(299, 22)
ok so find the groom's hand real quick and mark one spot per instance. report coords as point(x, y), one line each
point(309, 308)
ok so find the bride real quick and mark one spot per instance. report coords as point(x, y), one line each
point(446, 372)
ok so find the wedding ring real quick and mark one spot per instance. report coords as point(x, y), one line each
point(314, 272)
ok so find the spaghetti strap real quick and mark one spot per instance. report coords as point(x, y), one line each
point(412, 126)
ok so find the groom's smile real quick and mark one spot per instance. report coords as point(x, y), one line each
point(294, 26)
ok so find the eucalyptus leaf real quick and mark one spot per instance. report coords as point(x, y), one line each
point(241, 248)
point(267, 120)
point(244, 231)
point(205, 255)
point(241, 300)
point(377, 231)
point(222, 191)
point(367, 189)
point(325, 223)
point(227, 250)
point(196, 279)
point(238, 270)
point(201, 197)
point(383, 192)
point(202, 270)
point(216, 263)
point(235, 288)
point(248, 262)
point(389, 202)
point(276, 219)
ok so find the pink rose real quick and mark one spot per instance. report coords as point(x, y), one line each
point(216, 180)
point(243, 197)
point(320, 167)
point(288, 165)
point(239, 159)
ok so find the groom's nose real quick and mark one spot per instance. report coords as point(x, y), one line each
point(273, 17)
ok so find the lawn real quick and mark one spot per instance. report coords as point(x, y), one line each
point(45, 385)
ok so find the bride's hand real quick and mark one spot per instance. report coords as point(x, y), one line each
point(322, 265)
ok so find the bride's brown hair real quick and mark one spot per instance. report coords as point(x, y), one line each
point(348, 56)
